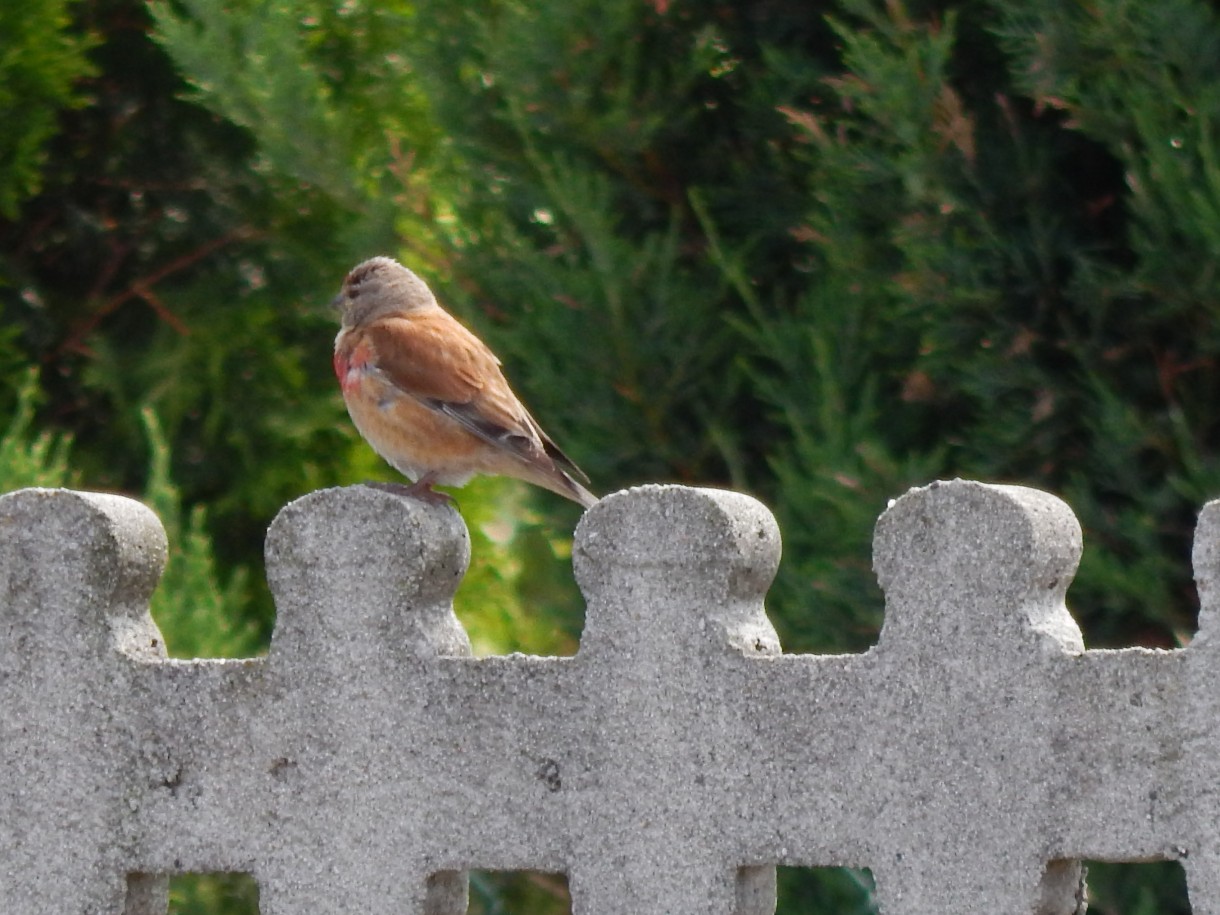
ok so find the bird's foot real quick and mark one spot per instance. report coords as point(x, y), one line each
point(420, 489)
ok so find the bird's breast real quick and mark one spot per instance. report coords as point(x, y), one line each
point(414, 438)
point(353, 361)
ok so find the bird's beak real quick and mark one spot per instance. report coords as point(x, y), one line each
point(336, 304)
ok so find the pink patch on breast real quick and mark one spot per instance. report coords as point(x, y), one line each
point(351, 367)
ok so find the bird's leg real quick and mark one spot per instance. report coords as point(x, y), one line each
point(421, 489)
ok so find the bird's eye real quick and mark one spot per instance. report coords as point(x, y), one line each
point(356, 280)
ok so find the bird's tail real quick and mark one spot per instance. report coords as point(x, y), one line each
point(563, 476)
point(559, 481)
point(578, 493)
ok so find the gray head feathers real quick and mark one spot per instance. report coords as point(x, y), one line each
point(381, 285)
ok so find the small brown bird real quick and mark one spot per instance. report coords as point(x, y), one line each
point(429, 395)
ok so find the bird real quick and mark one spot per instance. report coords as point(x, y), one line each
point(430, 397)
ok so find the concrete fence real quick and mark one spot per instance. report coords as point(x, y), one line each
point(970, 759)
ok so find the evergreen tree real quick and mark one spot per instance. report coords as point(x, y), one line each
point(40, 62)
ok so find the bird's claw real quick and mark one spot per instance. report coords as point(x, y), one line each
point(421, 490)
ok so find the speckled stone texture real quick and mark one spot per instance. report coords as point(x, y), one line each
point(969, 759)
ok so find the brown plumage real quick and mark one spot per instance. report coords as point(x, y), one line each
point(429, 395)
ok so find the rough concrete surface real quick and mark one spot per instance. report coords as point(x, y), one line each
point(969, 759)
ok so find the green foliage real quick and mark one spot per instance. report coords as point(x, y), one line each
point(1144, 80)
point(29, 457)
point(514, 594)
point(493, 893)
point(838, 890)
point(1150, 888)
point(329, 95)
point(162, 267)
point(349, 123)
point(41, 61)
point(213, 894)
point(198, 615)
point(573, 225)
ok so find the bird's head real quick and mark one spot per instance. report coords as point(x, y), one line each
point(378, 287)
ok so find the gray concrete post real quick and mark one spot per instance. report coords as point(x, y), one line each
point(970, 759)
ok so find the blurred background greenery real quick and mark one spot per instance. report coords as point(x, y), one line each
point(818, 252)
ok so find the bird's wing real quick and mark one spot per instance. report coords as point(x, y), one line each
point(429, 355)
point(433, 358)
